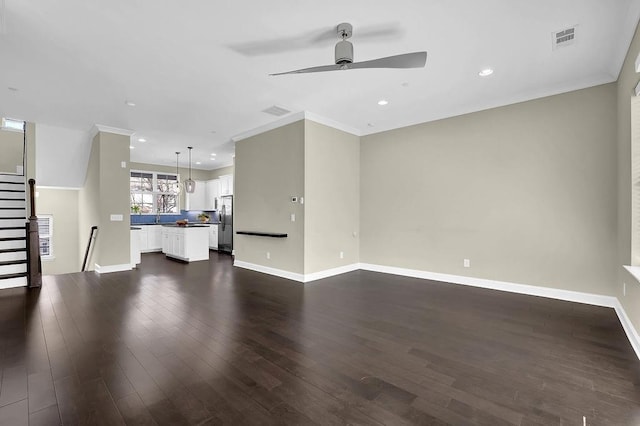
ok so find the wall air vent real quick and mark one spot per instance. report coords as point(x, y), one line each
point(564, 37)
point(277, 111)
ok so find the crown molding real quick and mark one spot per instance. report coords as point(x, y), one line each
point(292, 118)
point(101, 128)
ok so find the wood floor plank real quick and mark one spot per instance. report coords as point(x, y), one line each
point(208, 344)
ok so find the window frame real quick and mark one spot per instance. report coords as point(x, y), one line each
point(51, 255)
point(155, 193)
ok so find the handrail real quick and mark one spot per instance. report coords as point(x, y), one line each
point(34, 261)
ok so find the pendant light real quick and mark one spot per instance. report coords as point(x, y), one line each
point(190, 184)
point(176, 186)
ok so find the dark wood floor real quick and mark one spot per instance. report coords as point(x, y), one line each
point(207, 343)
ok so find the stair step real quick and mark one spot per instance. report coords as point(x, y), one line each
point(13, 238)
point(13, 262)
point(12, 208)
point(10, 276)
point(12, 217)
point(13, 228)
point(11, 183)
point(13, 250)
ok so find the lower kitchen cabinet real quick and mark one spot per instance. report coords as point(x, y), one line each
point(150, 238)
point(186, 243)
point(213, 237)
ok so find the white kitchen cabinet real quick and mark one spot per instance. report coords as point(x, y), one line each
point(212, 192)
point(150, 237)
point(196, 200)
point(189, 244)
point(226, 185)
point(135, 247)
point(142, 239)
point(213, 237)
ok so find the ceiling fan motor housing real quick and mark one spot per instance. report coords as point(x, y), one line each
point(344, 52)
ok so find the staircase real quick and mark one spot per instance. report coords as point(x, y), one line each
point(13, 231)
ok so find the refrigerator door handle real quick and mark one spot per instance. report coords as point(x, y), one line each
point(222, 216)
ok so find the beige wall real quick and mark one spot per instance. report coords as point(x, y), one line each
point(627, 81)
point(114, 236)
point(12, 144)
point(89, 205)
point(269, 169)
point(527, 192)
point(106, 192)
point(331, 198)
point(62, 204)
point(215, 174)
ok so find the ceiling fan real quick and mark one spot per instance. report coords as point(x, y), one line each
point(344, 57)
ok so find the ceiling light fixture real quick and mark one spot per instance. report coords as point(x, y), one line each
point(143, 140)
point(129, 103)
point(176, 186)
point(198, 162)
point(485, 72)
point(213, 154)
point(190, 184)
point(383, 102)
point(132, 147)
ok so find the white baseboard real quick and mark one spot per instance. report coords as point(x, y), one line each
point(552, 293)
point(302, 278)
point(271, 271)
point(111, 268)
point(629, 329)
point(531, 290)
point(331, 272)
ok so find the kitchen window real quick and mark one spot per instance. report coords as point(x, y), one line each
point(153, 193)
point(45, 231)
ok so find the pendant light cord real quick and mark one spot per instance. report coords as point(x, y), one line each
point(190, 148)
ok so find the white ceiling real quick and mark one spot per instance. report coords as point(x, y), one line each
point(197, 67)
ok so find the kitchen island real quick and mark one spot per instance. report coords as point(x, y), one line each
point(188, 243)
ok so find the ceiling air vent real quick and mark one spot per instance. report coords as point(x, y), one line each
point(277, 111)
point(564, 37)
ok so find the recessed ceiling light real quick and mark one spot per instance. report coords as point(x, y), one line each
point(383, 102)
point(198, 162)
point(130, 103)
point(143, 140)
point(213, 132)
point(485, 72)
point(405, 84)
point(370, 124)
point(132, 147)
point(213, 154)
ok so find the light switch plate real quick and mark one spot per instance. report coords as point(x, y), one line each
point(116, 218)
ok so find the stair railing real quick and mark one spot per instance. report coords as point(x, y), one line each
point(34, 261)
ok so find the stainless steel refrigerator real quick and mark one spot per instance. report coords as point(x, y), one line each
point(225, 229)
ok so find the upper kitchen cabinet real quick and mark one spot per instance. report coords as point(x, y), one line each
point(226, 185)
point(197, 200)
point(212, 192)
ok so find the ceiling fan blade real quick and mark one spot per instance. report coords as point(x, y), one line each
point(407, 60)
point(312, 69)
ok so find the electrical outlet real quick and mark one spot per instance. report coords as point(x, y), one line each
point(341, 255)
point(467, 263)
point(268, 255)
point(293, 217)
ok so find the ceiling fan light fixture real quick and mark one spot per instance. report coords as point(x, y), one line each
point(383, 102)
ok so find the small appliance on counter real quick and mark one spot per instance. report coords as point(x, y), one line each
point(225, 228)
